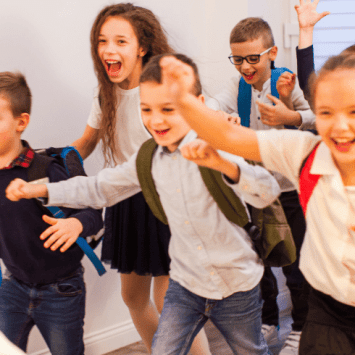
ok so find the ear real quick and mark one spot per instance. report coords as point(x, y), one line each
point(142, 52)
point(273, 53)
point(201, 98)
point(22, 122)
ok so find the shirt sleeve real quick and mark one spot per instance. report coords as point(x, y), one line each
point(301, 105)
point(284, 151)
point(94, 119)
point(256, 185)
point(305, 66)
point(90, 219)
point(227, 99)
point(107, 188)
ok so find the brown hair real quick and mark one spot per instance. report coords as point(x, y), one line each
point(13, 87)
point(151, 38)
point(152, 71)
point(342, 61)
point(251, 29)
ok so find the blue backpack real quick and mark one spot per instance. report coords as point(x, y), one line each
point(244, 96)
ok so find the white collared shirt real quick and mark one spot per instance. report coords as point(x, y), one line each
point(328, 251)
point(210, 256)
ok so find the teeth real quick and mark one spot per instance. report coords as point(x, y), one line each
point(342, 140)
point(112, 61)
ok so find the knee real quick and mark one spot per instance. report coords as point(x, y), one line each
point(135, 299)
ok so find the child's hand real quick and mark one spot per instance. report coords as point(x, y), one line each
point(203, 154)
point(18, 189)
point(279, 114)
point(307, 13)
point(63, 232)
point(285, 84)
point(177, 76)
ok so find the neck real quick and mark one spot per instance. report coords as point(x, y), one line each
point(8, 157)
point(347, 172)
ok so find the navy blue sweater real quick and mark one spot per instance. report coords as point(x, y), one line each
point(21, 225)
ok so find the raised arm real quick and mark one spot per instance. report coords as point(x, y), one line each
point(208, 123)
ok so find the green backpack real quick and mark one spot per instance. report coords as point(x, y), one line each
point(268, 230)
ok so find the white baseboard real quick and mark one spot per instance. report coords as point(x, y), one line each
point(106, 340)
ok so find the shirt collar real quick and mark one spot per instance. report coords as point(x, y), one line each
point(266, 85)
point(24, 159)
point(190, 136)
point(323, 163)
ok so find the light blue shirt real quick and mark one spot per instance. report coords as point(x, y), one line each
point(210, 256)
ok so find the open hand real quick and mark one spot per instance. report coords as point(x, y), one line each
point(62, 232)
point(307, 13)
point(177, 76)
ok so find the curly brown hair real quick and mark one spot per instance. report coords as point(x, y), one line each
point(151, 37)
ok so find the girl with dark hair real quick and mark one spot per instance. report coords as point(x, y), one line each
point(123, 38)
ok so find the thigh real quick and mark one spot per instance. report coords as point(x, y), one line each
point(60, 315)
point(238, 317)
point(318, 339)
point(181, 319)
point(15, 318)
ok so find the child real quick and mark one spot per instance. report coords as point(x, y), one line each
point(44, 286)
point(253, 53)
point(215, 271)
point(123, 38)
point(327, 256)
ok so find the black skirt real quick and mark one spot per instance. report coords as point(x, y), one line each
point(135, 240)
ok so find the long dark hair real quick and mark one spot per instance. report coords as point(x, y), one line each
point(151, 38)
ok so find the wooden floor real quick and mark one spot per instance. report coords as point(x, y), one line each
point(217, 343)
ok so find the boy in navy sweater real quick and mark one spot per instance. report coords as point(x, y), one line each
point(44, 283)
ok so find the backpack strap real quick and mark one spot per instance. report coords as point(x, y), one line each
point(244, 95)
point(68, 157)
point(308, 181)
point(144, 167)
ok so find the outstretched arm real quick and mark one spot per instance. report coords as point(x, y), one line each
point(208, 124)
point(307, 19)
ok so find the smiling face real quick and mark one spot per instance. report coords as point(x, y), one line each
point(254, 74)
point(335, 116)
point(120, 53)
point(161, 117)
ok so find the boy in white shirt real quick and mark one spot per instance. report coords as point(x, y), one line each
point(252, 96)
point(215, 272)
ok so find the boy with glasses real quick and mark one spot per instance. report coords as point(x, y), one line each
point(266, 97)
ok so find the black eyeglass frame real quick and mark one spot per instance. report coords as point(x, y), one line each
point(247, 58)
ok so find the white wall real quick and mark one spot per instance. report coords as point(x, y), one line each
point(48, 40)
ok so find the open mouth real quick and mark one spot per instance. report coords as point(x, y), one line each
point(162, 133)
point(343, 144)
point(113, 67)
point(249, 76)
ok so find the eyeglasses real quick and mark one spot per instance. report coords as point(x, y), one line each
point(251, 59)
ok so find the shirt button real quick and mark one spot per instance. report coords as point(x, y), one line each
point(212, 273)
point(258, 118)
point(245, 187)
point(259, 96)
point(199, 247)
point(178, 190)
point(186, 222)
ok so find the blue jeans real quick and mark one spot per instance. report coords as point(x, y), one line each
point(57, 309)
point(237, 317)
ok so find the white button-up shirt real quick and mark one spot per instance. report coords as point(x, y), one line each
point(328, 251)
point(210, 256)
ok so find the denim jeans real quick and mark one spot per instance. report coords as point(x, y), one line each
point(238, 318)
point(57, 310)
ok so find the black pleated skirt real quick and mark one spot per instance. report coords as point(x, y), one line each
point(135, 240)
